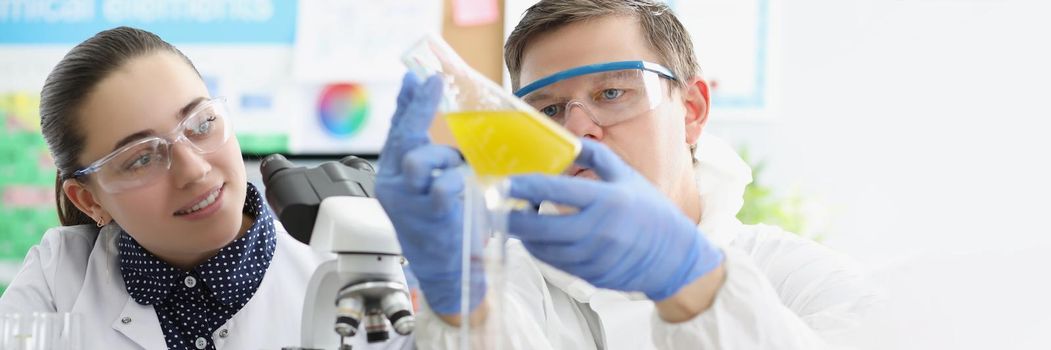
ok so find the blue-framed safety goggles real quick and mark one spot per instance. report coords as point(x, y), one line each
point(609, 93)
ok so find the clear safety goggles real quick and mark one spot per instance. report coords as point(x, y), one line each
point(609, 93)
point(205, 130)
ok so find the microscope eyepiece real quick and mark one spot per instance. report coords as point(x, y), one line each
point(358, 163)
point(273, 164)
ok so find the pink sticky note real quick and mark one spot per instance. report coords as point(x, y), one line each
point(475, 12)
point(22, 196)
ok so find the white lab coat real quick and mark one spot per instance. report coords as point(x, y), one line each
point(781, 291)
point(75, 269)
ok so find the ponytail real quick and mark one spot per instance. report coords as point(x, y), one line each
point(66, 89)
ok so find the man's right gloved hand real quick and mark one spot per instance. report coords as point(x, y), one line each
point(421, 190)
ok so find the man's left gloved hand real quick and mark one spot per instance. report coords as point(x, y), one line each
point(626, 236)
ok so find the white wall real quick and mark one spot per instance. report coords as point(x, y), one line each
point(922, 125)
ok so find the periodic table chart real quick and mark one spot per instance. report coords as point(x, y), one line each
point(287, 91)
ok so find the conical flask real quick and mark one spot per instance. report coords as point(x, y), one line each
point(498, 133)
point(499, 136)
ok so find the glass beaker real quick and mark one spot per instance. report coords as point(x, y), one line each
point(40, 331)
point(499, 136)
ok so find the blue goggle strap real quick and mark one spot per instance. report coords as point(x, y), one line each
point(595, 68)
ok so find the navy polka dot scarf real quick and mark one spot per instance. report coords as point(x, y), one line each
point(192, 305)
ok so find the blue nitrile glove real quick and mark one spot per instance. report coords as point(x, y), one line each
point(626, 236)
point(421, 190)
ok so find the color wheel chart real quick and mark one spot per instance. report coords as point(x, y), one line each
point(343, 109)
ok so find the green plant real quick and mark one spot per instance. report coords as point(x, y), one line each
point(764, 204)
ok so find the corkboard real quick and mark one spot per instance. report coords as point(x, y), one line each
point(481, 46)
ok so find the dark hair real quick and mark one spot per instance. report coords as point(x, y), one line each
point(665, 34)
point(69, 85)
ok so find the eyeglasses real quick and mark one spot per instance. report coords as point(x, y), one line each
point(609, 93)
point(140, 163)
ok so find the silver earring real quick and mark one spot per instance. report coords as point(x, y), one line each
point(98, 223)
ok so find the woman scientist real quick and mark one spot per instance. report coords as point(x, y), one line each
point(163, 243)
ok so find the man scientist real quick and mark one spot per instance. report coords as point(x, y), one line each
point(653, 256)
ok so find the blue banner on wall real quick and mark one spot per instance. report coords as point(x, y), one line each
point(177, 21)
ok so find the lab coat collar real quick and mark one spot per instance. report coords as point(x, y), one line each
point(578, 289)
point(722, 177)
point(139, 323)
point(136, 322)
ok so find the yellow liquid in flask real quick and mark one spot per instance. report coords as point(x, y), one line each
point(503, 143)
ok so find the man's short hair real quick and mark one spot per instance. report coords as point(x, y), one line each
point(666, 35)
